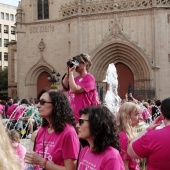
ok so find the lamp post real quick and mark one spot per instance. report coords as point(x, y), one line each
point(53, 78)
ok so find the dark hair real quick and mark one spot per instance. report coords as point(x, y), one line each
point(165, 108)
point(8, 98)
point(158, 102)
point(61, 113)
point(16, 100)
point(149, 101)
point(3, 102)
point(102, 127)
point(25, 101)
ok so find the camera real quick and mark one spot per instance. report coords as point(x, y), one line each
point(71, 63)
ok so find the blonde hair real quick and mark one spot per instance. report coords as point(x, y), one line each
point(14, 135)
point(123, 118)
point(8, 159)
point(86, 59)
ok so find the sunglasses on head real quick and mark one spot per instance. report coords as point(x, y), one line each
point(42, 102)
point(81, 121)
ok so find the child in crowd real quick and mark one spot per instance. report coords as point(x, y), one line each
point(127, 118)
point(19, 149)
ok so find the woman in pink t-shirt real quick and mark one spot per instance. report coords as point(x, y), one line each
point(82, 88)
point(127, 118)
point(56, 143)
point(97, 125)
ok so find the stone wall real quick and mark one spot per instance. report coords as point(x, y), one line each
point(135, 33)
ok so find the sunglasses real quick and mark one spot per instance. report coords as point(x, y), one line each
point(81, 121)
point(81, 62)
point(42, 102)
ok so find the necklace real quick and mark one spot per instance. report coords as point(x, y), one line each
point(45, 146)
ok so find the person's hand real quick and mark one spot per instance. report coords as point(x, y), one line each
point(130, 95)
point(72, 69)
point(33, 158)
point(157, 122)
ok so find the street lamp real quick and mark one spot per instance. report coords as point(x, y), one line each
point(53, 78)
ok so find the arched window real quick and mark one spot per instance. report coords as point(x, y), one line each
point(43, 9)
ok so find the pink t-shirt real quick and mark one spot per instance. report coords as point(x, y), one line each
point(56, 147)
point(124, 142)
point(85, 99)
point(20, 151)
point(14, 112)
point(145, 114)
point(155, 146)
point(108, 160)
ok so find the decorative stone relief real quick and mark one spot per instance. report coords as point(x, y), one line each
point(116, 29)
point(107, 6)
point(41, 45)
point(115, 32)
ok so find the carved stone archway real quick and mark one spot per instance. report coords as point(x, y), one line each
point(126, 53)
point(33, 75)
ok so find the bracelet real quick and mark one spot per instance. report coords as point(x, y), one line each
point(44, 164)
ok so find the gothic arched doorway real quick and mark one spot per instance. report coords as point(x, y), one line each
point(42, 82)
point(131, 63)
point(124, 81)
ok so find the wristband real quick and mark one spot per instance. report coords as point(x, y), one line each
point(44, 164)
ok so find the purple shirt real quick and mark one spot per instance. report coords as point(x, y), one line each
point(85, 99)
point(108, 160)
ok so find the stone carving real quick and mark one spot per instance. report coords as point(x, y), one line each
point(41, 45)
point(107, 6)
point(115, 29)
point(20, 14)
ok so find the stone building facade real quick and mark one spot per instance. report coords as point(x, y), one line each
point(132, 34)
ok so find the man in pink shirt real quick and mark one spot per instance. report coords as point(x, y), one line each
point(154, 144)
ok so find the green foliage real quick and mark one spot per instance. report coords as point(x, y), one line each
point(53, 86)
point(3, 79)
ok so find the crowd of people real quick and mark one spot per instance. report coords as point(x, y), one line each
point(74, 131)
